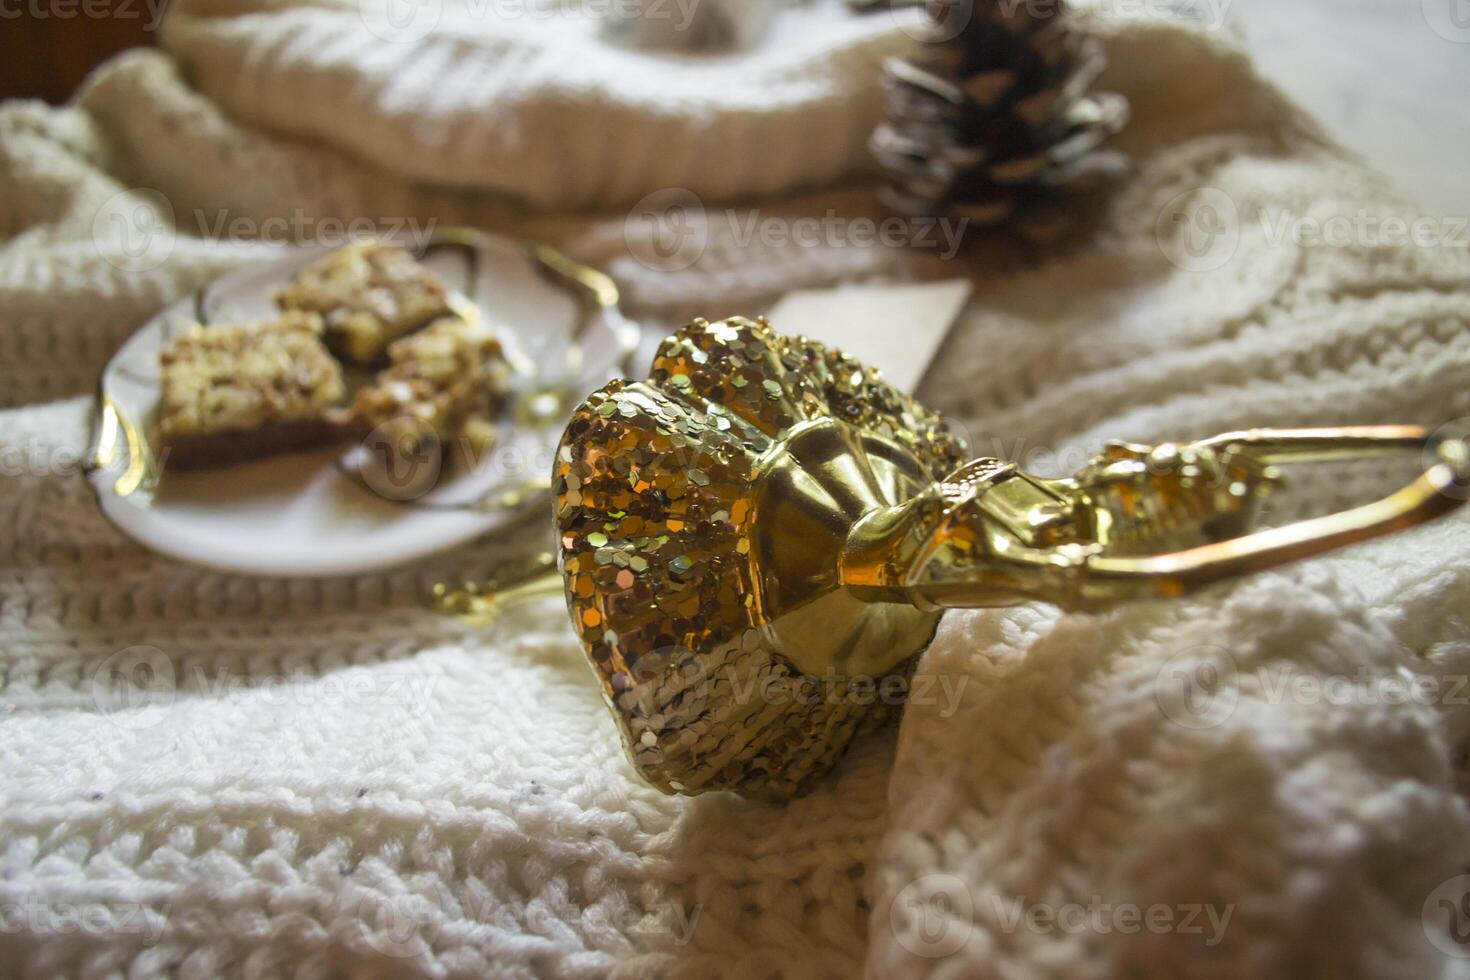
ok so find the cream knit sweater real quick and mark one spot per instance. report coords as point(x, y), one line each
point(325, 778)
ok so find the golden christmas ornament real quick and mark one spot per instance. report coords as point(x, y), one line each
point(758, 541)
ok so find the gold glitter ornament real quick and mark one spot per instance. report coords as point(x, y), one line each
point(659, 486)
point(758, 541)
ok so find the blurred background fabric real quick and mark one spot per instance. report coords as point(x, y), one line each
point(1406, 113)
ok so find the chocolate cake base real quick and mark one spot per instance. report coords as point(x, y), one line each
point(227, 446)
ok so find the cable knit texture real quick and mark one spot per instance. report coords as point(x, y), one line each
point(209, 775)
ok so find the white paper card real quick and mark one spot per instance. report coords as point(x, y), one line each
point(896, 328)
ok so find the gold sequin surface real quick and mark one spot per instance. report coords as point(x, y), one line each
point(656, 486)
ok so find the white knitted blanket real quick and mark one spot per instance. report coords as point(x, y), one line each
point(326, 778)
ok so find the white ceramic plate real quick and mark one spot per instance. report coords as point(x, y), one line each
point(331, 512)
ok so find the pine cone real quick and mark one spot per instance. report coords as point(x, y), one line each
point(991, 118)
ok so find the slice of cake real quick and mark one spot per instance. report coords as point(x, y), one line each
point(369, 295)
point(446, 383)
point(243, 391)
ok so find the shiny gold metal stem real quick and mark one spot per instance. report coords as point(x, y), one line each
point(936, 556)
point(1112, 579)
point(1323, 445)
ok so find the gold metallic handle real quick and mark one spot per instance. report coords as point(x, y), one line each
point(1323, 445)
point(1437, 491)
point(1023, 538)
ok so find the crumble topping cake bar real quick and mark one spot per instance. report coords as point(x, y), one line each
point(448, 380)
point(369, 295)
point(236, 392)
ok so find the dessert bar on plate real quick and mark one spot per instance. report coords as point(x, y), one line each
point(446, 382)
point(236, 392)
point(312, 515)
point(369, 295)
